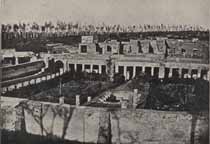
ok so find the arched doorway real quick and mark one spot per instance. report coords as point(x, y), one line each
point(59, 65)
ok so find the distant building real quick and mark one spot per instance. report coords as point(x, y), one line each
point(13, 57)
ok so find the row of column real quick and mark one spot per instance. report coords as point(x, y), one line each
point(162, 71)
point(89, 69)
point(134, 70)
point(77, 100)
point(187, 73)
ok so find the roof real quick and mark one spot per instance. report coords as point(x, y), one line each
point(13, 53)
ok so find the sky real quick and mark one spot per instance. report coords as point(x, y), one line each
point(125, 12)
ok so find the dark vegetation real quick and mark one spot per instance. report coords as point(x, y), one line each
point(38, 44)
point(82, 83)
point(19, 137)
point(175, 94)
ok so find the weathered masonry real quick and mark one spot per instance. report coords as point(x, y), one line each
point(101, 125)
point(161, 58)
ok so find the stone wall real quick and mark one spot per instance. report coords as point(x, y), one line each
point(101, 125)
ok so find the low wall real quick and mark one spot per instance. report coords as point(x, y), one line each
point(101, 125)
point(26, 69)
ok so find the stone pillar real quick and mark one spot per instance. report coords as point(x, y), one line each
point(61, 100)
point(152, 71)
point(199, 73)
point(32, 81)
point(161, 72)
point(99, 69)
point(75, 67)
point(77, 100)
point(116, 69)
point(189, 73)
point(43, 78)
point(91, 68)
point(134, 100)
point(134, 71)
point(48, 77)
point(18, 85)
point(64, 67)
point(38, 80)
point(67, 66)
point(16, 60)
point(83, 67)
point(89, 98)
point(26, 83)
point(124, 71)
point(180, 72)
point(143, 69)
point(46, 61)
point(42, 70)
point(170, 72)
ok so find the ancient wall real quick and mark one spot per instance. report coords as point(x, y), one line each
point(101, 125)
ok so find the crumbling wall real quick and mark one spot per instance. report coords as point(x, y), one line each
point(124, 126)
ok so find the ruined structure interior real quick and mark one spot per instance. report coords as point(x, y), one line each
point(79, 83)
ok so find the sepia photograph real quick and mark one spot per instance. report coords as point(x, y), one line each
point(104, 71)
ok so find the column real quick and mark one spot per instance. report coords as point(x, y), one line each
point(161, 72)
point(77, 100)
point(61, 100)
point(152, 71)
point(143, 69)
point(16, 60)
point(199, 73)
point(134, 71)
point(75, 67)
point(83, 67)
point(189, 73)
point(124, 71)
point(135, 98)
point(208, 75)
point(64, 67)
point(91, 68)
point(67, 66)
point(116, 69)
point(180, 72)
point(170, 72)
point(89, 98)
point(100, 69)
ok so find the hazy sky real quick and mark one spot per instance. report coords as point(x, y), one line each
point(109, 11)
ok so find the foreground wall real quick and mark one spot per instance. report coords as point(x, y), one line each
point(100, 125)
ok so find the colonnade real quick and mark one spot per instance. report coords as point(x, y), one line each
point(98, 68)
point(161, 72)
point(126, 69)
